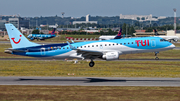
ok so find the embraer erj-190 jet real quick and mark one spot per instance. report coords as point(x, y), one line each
point(105, 49)
point(119, 36)
point(168, 38)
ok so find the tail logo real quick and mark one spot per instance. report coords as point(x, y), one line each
point(17, 41)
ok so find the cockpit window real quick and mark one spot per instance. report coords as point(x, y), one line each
point(161, 40)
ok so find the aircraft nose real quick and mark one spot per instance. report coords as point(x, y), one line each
point(172, 46)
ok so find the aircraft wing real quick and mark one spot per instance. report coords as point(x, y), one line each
point(87, 53)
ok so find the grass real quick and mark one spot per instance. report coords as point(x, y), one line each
point(101, 69)
point(86, 93)
point(177, 44)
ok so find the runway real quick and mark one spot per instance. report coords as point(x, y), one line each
point(90, 81)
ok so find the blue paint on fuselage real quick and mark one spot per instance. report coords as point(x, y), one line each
point(58, 49)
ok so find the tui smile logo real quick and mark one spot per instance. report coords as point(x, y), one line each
point(17, 41)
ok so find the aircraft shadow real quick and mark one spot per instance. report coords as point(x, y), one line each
point(94, 80)
point(124, 80)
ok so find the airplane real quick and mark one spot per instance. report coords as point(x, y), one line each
point(119, 36)
point(104, 49)
point(42, 36)
point(168, 38)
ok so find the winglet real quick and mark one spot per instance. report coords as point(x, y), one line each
point(73, 48)
point(72, 41)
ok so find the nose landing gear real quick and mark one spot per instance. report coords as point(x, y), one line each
point(156, 56)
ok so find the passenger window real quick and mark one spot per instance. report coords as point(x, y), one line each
point(128, 42)
point(120, 43)
point(59, 47)
point(117, 43)
point(124, 43)
point(132, 42)
point(88, 46)
point(113, 44)
point(84, 46)
point(81, 46)
point(67, 47)
point(96, 45)
point(109, 44)
point(92, 45)
point(105, 45)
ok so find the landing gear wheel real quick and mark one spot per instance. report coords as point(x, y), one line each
point(91, 64)
point(156, 56)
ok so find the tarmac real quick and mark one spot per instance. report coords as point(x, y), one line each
point(91, 81)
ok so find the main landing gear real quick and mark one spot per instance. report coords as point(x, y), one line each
point(91, 64)
point(156, 56)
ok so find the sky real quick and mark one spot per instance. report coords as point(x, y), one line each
point(79, 8)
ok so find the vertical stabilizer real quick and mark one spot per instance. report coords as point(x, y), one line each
point(119, 35)
point(53, 32)
point(156, 33)
point(17, 39)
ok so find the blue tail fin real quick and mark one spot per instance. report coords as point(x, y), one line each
point(17, 39)
point(119, 35)
point(53, 32)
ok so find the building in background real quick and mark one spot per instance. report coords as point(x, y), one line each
point(19, 22)
point(87, 21)
point(2, 26)
point(141, 18)
point(16, 20)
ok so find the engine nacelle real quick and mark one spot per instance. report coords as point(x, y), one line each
point(32, 38)
point(111, 56)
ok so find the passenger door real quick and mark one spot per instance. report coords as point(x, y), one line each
point(153, 43)
point(43, 51)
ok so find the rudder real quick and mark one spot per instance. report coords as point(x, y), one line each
point(17, 39)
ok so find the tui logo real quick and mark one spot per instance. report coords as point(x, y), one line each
point(17, 41)
point(142, 43)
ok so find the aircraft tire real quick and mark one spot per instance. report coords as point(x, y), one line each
point(156, 58)
point(91, 64)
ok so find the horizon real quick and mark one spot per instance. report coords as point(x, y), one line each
point(80, 8)
point(82, 16)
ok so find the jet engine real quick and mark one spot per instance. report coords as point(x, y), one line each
point(32, 38)
point(111, 56)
